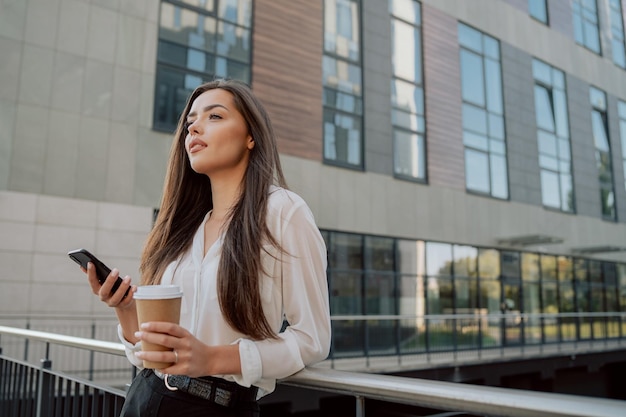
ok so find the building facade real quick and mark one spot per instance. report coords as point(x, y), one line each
point(459, 156)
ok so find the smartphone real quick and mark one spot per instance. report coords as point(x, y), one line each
point(83, 256)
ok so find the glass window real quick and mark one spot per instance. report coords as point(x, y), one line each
point(483, 113)
point(379, 294)
point(198, 41)
point(379, 254)
point(465, 261)
point(407, 91)
point(586, 26)
point(411, 296)
point(346, 251)
point(531, 269)
point(510, 265)
point(539, 10)
point(617, 33)
point(411, 257)
point(345, 290)
point(439, 295)
point(603, 153)
point(553, 139)
point(438, 259)
point(341, 77)
point(488, 263)
point(466, 295)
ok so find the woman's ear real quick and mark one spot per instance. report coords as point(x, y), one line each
point(250, 142)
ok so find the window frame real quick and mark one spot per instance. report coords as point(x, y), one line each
point(331, 109)
point(163, 66)
point(421, 157)
point(487, 135)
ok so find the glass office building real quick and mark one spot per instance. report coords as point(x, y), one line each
point(462, 159)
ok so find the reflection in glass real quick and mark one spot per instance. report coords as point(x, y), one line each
point(538, 10)
point(489, 301)
point(379, 254)
point(346, 251)
point(236, 11)
point(342, 137)
point(488, 264)
point(406, 52)
point(543, 109)
point(532, 305)
point(481, 87)
point(465, 261)
point(553, 137)
point(379, 294)
point(510, 265)
point(439, 295)
point(345, 293)
point(530, 267)
point(477, 171)
point(341, 71)
point(407, 97)
point(472, 78)
point(585, 16)
point(341, 28)
point(603, 153)
point(411, 257)
point(438, 258)
point(196, 45)
point(408, 156)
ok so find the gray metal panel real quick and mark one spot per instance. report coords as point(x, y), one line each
point(585, 172)
point(377, 73)
point(521, 128)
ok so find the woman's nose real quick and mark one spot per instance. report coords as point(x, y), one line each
point(193, 127)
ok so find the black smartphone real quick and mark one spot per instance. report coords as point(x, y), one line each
point(83, 256)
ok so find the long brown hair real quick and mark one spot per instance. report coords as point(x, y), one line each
point(187, 198)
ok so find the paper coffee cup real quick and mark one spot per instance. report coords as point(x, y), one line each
point(157, 303)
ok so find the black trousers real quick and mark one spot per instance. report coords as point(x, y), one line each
point(149, 397)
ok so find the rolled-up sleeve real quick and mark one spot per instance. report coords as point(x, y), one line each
point(306, 340)
point(130, 348)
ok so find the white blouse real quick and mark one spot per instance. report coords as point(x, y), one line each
point(295, 289)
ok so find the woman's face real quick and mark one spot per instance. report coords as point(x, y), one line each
point(217, 139)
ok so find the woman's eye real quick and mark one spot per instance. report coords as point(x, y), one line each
point(214, 116)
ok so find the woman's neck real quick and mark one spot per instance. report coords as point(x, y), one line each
point(225, 193)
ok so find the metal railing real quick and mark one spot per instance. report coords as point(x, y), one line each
point(374, 343)
point(39, 392)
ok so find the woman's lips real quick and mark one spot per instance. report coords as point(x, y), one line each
point(195, 145)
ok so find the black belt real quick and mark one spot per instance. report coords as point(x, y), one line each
point(216, 390)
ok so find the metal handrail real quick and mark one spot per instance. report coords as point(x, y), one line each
point(436, 394)
point(484, 400)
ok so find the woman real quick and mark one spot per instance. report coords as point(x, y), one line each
point(247, 255)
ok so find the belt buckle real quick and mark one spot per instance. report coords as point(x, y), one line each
point(167, 385)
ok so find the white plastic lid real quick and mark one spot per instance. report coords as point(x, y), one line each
point(157, 292)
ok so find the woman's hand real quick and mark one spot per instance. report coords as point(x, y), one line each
point(192, 358)
point(118, 298)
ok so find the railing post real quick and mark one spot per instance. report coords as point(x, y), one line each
point(360, 406)
point(91, 352)
point(45, 387)
point(26, 343)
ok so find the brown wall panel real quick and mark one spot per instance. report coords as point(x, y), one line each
point(287, 72)
point(442, 88)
